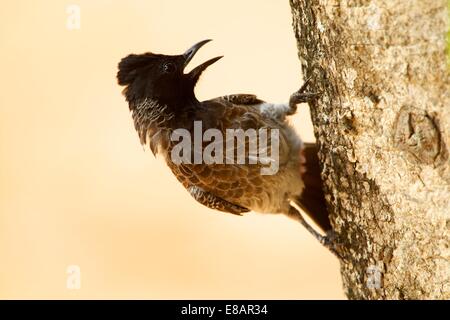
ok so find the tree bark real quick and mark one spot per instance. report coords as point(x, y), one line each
point(383, 128)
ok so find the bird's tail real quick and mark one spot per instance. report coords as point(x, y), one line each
point(312, 199)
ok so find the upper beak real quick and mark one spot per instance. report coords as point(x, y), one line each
point(190, 53)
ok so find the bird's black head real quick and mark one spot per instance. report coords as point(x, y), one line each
point(160, 77)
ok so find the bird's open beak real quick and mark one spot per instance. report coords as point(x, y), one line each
point(190, 53)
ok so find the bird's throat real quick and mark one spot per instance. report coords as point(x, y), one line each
point(150, 116)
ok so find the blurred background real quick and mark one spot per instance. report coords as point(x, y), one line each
point(76, 187)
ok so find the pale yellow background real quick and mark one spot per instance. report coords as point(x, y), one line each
point(76, 188)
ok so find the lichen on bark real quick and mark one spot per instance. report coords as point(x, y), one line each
point(383, 127)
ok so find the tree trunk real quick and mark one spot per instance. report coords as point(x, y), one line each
point(383, 128)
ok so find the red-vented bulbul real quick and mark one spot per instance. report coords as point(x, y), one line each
point(161, 99)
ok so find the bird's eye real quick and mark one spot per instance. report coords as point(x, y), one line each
point(169, 67)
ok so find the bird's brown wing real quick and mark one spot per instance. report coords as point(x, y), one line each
point(312, 199)
point(230, 182)
point(241, 111)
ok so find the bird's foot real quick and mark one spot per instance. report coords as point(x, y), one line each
point(331, 241)
point(301, 96)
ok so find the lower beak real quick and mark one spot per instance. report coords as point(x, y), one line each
point(190, 53)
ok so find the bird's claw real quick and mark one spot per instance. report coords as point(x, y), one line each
point(300, 96)
point(304, 85)
point(332, 243)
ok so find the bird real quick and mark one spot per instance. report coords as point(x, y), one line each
point(162, 100)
